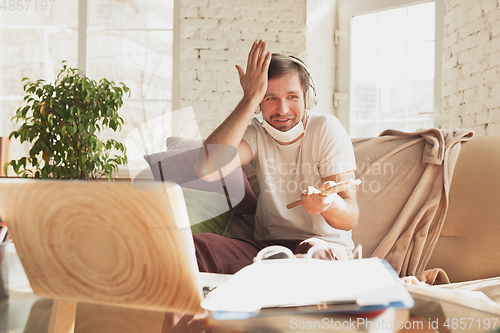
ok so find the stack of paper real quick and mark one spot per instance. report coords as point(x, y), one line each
point(308, 285)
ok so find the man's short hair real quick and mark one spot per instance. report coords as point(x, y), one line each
point(283, 65)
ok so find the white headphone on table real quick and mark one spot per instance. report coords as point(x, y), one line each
point(310, 97)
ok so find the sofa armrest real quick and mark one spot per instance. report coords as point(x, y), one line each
point(467, 248)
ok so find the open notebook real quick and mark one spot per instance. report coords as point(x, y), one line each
point(111, 243)
point(306, 285)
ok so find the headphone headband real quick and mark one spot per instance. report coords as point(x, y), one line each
point(311, 97)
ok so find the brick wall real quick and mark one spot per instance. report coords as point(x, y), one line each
point(217, 34)
point(320, 26)
point(471, 67)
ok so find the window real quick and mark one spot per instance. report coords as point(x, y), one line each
point(34, 39)
point(390, 66)
point(131, 42)
point(126, 41)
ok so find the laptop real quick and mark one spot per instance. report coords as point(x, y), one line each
point(113, 243)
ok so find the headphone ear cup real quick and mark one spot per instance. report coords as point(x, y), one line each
point(310, 99)
point(314, 97)
point(307, 100)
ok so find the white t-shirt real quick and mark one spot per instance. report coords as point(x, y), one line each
point(285, 171)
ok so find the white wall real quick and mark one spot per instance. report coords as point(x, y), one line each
point(320, 48)
point(215, 35)
point(471, 66)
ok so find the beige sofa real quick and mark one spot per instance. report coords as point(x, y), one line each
point(468, 247)
point(411, 222)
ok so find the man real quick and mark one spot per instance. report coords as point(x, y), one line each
point(294, 152)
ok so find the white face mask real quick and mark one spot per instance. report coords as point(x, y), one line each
point(285, 137)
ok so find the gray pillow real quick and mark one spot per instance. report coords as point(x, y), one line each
point(178, 166)
point(174, 142)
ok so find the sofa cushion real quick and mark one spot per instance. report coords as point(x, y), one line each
point(467, 248)
point(178, 142)
point(175, 142)
point(216, 199)
point(207, 211)
point(249, 203)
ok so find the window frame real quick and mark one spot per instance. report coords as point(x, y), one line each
point(82, 35)
point(350, 8)
point(124, 171)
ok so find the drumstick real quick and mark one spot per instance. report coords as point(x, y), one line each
point(339, 187)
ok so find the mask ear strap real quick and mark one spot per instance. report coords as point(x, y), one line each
point(304, 119)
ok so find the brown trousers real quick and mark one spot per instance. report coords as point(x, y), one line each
point(225, 255)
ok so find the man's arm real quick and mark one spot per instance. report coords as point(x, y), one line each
point(339, 210)
point(231, 131)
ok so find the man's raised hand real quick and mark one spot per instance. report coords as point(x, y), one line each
point(254, 80)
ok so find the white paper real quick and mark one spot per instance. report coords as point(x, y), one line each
point(304, 282)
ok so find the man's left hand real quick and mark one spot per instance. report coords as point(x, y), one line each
point(315, 203)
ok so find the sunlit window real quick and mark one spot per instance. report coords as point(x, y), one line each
point(392, 70)
point(131, 42)
point(34, 39)
point(128, 41)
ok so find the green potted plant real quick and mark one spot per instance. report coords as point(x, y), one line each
point(62, 120)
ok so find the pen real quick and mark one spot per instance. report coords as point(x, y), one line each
point(339, 187)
